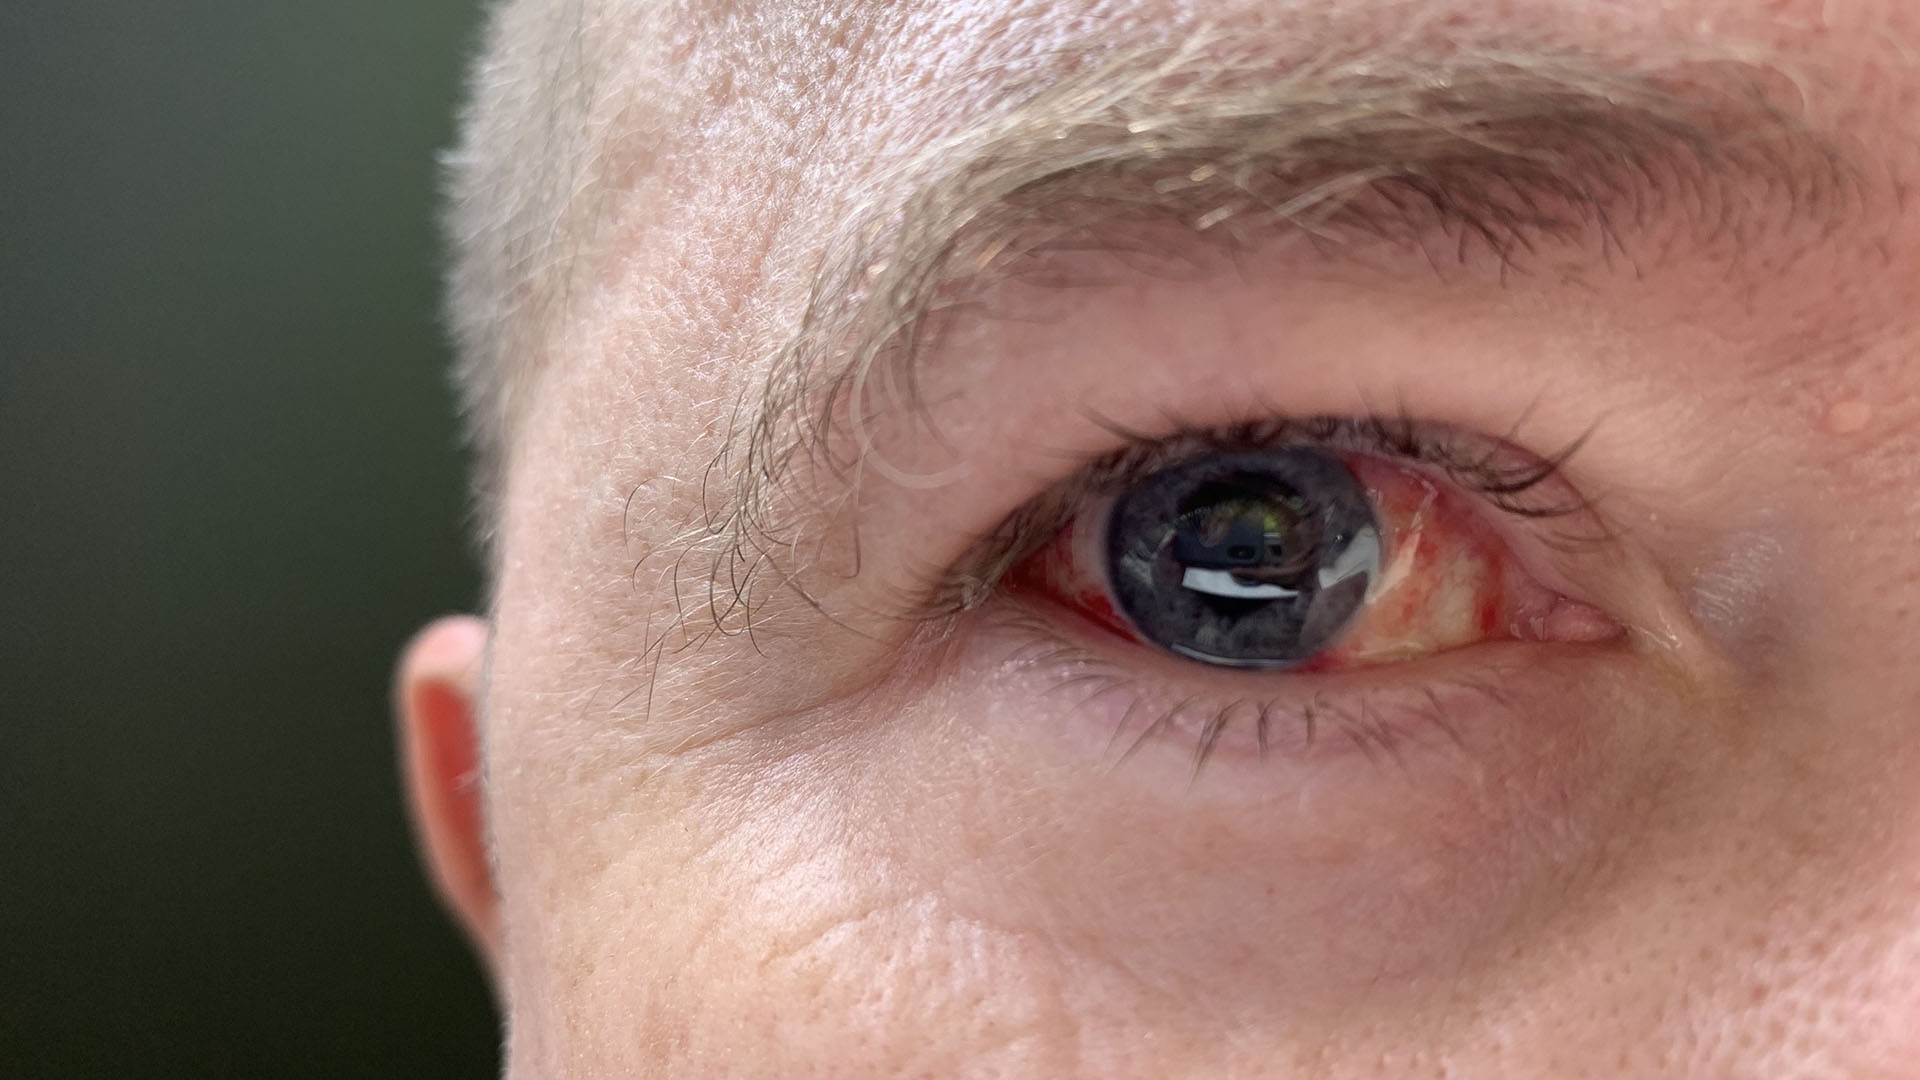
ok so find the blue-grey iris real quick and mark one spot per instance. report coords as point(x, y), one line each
point(1254, 559)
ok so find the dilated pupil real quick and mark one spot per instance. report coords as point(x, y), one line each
point(1252, 527)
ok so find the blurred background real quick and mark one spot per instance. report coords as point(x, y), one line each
point(230, 491)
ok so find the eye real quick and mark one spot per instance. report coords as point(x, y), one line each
point(1353, 550)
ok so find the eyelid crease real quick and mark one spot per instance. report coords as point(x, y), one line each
point(1527, 488)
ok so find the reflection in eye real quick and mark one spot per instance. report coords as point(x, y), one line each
point(1311, 556)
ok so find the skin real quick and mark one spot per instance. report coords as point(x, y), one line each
point(866, 846)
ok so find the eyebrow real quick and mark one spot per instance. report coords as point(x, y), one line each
point(1506, 149)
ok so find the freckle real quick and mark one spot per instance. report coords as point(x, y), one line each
point(1849, 417)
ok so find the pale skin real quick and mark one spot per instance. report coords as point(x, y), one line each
point(854, 844)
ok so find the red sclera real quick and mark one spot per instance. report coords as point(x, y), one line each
point(1448, 577)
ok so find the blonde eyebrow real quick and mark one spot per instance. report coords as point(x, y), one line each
point(1502, 148)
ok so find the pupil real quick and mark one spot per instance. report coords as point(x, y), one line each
point(1245, 538)
point(1254, 559)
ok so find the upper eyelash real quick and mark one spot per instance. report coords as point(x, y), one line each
point(1511, 483)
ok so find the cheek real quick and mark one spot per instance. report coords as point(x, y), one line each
point(794, 910)
point(1274, 891)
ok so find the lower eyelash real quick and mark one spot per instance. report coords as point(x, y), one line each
point(1379, 725)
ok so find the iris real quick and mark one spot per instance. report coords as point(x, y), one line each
point(1256, 559)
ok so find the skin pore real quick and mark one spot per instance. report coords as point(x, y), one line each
point(724, 785)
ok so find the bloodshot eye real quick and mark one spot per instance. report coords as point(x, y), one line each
point(1304, 557)
point(1254, 560)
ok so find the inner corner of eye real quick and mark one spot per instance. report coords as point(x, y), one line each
point(1299, 558)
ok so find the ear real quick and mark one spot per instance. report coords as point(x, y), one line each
point(436, 703)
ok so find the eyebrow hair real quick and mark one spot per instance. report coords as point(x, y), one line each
point(1499, 148)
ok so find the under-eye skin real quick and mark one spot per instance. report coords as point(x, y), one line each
point(1317, 586)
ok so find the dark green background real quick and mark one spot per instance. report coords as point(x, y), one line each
point(230, 491)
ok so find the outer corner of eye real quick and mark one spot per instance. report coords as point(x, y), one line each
point(1300, 558)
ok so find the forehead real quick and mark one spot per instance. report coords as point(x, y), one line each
point(725, 140)
point(794, 58)
point(759, 118)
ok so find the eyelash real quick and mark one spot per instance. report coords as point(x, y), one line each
point(1375, 724)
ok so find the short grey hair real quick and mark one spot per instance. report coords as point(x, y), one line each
point(512, 218)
